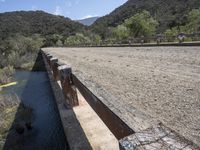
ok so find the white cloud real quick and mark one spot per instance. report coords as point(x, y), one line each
point(88, 16)
point(58, 11)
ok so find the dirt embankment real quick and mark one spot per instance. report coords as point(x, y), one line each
point(161, 81)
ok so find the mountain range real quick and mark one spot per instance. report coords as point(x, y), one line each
point(88, 21)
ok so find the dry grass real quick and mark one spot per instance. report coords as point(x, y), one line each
point(12, 112)
point(8, 108)
point(6, 74)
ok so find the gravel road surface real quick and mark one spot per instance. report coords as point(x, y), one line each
point(163, 82)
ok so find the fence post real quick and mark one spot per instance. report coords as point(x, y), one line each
point(53, 60)
point(68, 87)
point(56, 71)
point(48, 58)
point(54, 67)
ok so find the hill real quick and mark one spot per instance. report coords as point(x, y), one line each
point(168, 13)
point(31, 22)
point(88, 21)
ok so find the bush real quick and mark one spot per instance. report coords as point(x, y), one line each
point(95, 39)
point(188, 39)
point(6, 74)
point(14, 59)
point(78, 39)
point(171, 34)
point(19, 50)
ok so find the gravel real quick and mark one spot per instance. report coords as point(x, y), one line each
point(163, 82)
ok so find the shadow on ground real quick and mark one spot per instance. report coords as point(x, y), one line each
point(37, 124)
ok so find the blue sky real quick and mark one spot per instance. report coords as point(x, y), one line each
point(74, 9)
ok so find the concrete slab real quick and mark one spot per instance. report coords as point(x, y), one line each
point(99, 136)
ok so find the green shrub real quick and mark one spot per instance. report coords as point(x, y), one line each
point(188, 39)
point(78, 39)
point(171, 34)
point(6, 74)
point(19, 50)
point(14, 59)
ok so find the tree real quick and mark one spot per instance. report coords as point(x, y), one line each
point(54, 40)
point(193, 25)
point(121, 32)
point(141, 24)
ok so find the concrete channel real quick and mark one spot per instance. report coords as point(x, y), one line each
point(34, 91)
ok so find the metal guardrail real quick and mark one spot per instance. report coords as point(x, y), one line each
point(70, 83)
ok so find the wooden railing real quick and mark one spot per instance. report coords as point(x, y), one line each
point(70, 83)
point(158, 40)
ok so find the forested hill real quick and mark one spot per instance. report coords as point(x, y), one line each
point(168, 13)
point(31, 22)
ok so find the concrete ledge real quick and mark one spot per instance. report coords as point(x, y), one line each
point(73, 131)
point(83, 128)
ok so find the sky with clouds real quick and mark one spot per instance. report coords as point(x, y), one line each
point(74, 9)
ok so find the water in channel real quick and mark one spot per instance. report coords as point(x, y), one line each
point(34, 91)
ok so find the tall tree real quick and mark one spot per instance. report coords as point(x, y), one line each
point(141, 24)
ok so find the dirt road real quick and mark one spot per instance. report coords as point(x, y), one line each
point(163, 82)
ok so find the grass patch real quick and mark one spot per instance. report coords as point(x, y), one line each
point(12, 112)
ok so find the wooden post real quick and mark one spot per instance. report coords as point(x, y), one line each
point(56, 71)
point(68, 88)
point(54, 68)
point(48, 58)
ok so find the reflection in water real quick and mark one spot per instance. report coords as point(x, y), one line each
point(34, 91)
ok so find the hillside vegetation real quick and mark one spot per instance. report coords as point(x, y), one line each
point(23, 33)
point(31, 22)
point(168, 13)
